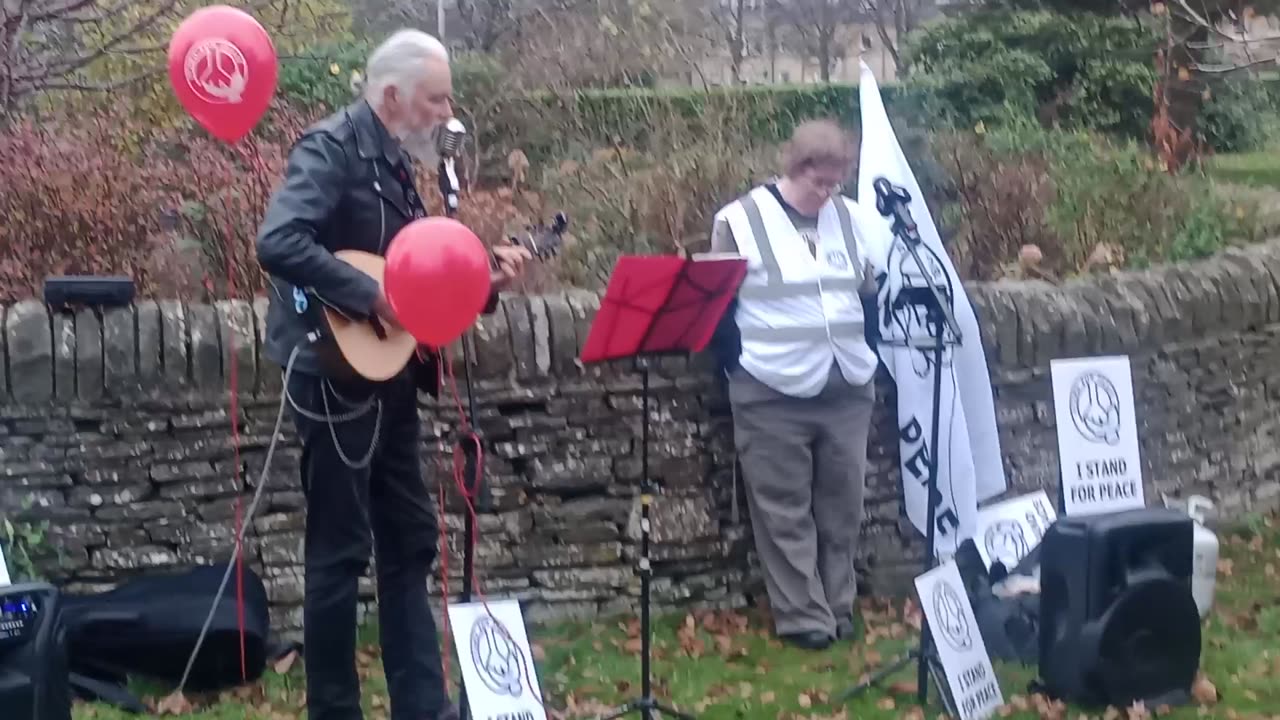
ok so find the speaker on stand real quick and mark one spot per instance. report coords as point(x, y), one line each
point(1118, 622)
point(34, 675)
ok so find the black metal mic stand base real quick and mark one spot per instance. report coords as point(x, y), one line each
point(933, 663)
point(646, 707)
point(646, 704)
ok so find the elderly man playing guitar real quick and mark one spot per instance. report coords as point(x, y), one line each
point(349, 187)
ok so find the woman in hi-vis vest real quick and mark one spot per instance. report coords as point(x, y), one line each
point(800, 372)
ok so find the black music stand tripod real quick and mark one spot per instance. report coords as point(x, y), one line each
point(670, 327)
point(892, 202)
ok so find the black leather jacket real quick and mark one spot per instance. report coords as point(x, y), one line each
point(348, 186)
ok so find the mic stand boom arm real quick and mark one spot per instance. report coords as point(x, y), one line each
point(893, 202)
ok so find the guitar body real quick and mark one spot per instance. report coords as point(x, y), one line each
point(363, 351)
point(353, 348)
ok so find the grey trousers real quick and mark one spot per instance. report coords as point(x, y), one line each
point(804, 461)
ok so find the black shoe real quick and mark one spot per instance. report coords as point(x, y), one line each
point(814, 640)
point(849, 628)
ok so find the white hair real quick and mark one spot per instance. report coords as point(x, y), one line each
point(398, 61)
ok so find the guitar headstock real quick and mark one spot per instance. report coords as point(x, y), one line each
point(543, 241)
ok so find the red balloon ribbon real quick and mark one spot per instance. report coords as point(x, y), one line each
point(223, 68)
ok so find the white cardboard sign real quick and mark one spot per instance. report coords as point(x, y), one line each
point(1010, 529)
point(496, 661)
point(954, 629)
point(1098, 451)
point(4, 569)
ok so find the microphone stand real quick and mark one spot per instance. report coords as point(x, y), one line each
point(893, 202)
point(450, 189)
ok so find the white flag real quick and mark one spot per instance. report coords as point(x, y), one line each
point(970, 468)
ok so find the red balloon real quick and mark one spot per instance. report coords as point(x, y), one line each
point(437, 279)
point(223, 67)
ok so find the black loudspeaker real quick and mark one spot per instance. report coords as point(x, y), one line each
point(34, 681)
point(1118, 622)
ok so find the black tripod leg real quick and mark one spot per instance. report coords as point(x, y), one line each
point(879, 675)
point(633, 706)
point(671, 712)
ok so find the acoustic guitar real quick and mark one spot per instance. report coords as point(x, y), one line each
point(370, 350)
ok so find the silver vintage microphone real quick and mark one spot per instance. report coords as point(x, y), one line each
point(451, 137)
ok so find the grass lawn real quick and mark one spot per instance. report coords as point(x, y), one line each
point(725, 665)
point(1259, 169)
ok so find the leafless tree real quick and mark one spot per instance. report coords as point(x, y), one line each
point(45, 44)
point(818, 27)
point(731, 17)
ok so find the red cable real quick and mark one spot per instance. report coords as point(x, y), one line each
point(253, 158)
point(468, 495)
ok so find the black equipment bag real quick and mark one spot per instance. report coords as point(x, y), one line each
point(149, 627)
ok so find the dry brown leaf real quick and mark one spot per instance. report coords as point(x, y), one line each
point(1225, 566)
point(915, 713)
point(174, 704)
point(886, 704)
point(804, 700)
point(1138, 711)
point(903, 687)
point(745, 690)
point(1204, 691)
point(632, 646)
point(283, 665)
point(768, 697)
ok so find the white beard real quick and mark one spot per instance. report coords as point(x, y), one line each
point(423, 146)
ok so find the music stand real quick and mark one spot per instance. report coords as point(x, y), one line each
point(892, 202)
point(657, 306)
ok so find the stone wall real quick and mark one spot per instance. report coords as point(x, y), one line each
point(114, 427)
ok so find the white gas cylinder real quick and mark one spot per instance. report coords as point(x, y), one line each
point(1204, 564)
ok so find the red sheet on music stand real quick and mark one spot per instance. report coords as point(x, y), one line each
point(661, 304)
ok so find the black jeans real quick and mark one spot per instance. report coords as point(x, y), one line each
point(385, 507)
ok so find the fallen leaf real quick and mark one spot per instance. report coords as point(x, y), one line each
point(745, 690)
point(1225, 567)
point(174, 704)
point(886, 704)
point(1204, 691)
point(768, 697)
point(1138, 711)
point(903, 687)
point(915, 713)
point(804, 700)
point(282, 665)
point(632, 646)
point(539, 652)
